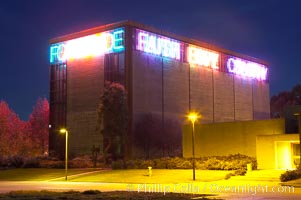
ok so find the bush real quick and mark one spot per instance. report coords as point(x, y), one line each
point(118, 164)
point(232, 162)
point(91, 192)
point(229, 175)
point(161, 163)
point(31, 163)
point(52, 163)
point(290, 175)
point(240, 172)
point(81, 162)
point(15, 161)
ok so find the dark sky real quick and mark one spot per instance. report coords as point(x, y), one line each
point(265, 29)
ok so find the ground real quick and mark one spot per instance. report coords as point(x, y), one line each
point(259, 184)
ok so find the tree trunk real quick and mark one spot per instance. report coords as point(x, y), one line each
point(105, 152)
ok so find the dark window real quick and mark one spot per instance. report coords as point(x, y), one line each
point(58, 101)
point(114, 68)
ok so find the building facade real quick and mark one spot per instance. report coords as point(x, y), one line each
point(265, 140)
point(164, 74)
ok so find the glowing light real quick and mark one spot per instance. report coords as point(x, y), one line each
point(158, 45)
point(247, 69)
point(88, 46)
point(203, 57)
point(193, 116)
point(63, 130)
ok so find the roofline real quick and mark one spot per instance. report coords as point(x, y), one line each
point(157, 31)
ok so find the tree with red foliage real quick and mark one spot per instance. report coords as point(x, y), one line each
point(39, 125)
point(12, 138)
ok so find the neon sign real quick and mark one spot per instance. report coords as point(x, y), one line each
point(158, 45)
point(88, 46)
point(203, 57)
point(247, 69)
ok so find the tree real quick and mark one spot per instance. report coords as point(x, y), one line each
point(12, 138)
point(285, 98)
point(113, 119)
point(39, 125)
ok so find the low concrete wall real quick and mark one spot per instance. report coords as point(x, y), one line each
point(228, 138)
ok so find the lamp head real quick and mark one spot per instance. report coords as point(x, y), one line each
point(63, 130)
point(193, 116)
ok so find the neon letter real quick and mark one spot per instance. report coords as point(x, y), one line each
point(118, 39)
point(247, 69)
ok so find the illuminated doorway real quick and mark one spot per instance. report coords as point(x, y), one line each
point(287, 154)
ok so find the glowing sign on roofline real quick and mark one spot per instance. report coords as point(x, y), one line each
point(158, 45)
point(88, 46)
point(247, 69)
point(203, 57)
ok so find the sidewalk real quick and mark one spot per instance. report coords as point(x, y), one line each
point(78, 175)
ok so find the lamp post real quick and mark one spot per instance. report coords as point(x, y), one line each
point(298, 116)
point(193, 117)
point(63, 130)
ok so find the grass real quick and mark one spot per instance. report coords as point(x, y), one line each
point(37, 174)
point(97, 195)
point(158, 176)
point(113, 176)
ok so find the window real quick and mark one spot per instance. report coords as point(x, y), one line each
point(114, 68)
point(58, 95)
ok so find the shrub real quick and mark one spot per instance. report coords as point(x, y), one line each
point(232, 162)
point(81, 162)
point(31, 163)
point(290, 175)
point(212, 164)
point(52, 163)
point(15, 161)
point(229, 175)
point(118, 164)
point(91, 192)
point(146, 163)
point(240, 172)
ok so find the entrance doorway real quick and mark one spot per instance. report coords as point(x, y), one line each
point(287, 154)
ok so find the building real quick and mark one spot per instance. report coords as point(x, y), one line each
point(265, 140)
point(164, 74)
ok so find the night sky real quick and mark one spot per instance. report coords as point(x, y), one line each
point(266, 29)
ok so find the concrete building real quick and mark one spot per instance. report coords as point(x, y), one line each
point(164, 74)
point(265, 140)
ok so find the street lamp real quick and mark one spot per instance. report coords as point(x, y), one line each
point(193, 117)
point(63, 130)
point(298, 116)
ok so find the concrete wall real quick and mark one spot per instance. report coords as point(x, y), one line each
point(261, 100)
point(167, 87)
point(274, 151)
point(85, 82)
point(228, 138)
point(201, 92)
